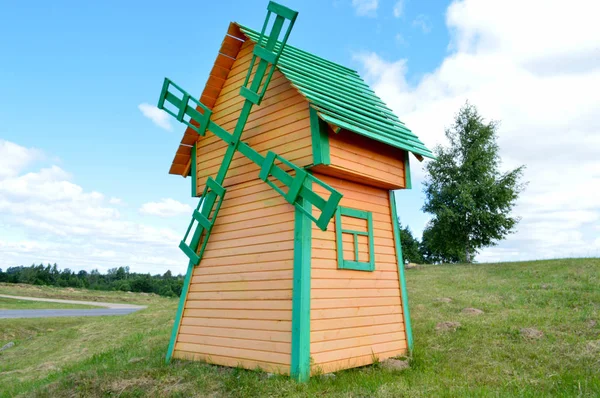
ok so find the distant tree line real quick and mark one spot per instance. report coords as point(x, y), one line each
point(115, 279)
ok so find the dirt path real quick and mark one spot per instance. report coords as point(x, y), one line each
point(109, 309)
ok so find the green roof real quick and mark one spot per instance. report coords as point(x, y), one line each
point(341, 97)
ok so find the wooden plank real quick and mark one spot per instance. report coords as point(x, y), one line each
point(234, 30)
point(241, 304)
point(334, 324)
point(332, 255)
point(342, 313)
point(244, 268)
point(354, 284)
point(251, 215)
point(216, 82)
point(181, 159)
point(219, 71)
point(379, 274)
point(274, 223)
point(276, 315)
point(354, 362)
point(347, 143)
point(345, 293)
point(220, 341)
point(331, 265)
point(252, 240)
point(282, 294)
point(184, 150)
point(339, 334)
point(233, 362)
point(261, 335)
point(241, 286)
point(241, 277)
point(373, 339)
point(225, 62)
point(177, 169)
point(248, 259)
point(208, 100)
point(253, 324)
point(270, 357)
point(338, 172)
point(253, 232)
point(349, 353)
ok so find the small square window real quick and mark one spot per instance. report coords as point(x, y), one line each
point(354, 236)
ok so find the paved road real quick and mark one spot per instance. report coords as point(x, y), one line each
point(110, 309)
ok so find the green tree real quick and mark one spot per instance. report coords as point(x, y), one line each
point(410, 245)
point(467, 194)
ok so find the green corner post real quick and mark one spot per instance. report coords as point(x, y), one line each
point(193, 172)
point(405, 307)
point(320, 138)
point(300, 355)
point(179, 314)
point(407, 177)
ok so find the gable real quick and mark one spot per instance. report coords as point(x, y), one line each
point(280, 124)
point(338, 94)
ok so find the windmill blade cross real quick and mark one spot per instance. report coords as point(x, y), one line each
point(298, 182)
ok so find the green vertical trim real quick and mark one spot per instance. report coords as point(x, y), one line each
point(194, 172)
point(179, 314)
point(300, 355)
point(407, 179)
point(320, 139)
point(407, 324)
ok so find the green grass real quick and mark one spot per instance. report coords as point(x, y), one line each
point(16, 304)
point(486, 356)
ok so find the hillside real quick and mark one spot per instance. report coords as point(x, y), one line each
point(539, 334)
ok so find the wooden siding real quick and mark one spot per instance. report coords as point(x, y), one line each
point(281, 123)
point(359, 159)
point(356, 314)
point(239, 306)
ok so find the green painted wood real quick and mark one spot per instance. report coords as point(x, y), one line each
point(320, 139)
point(193, 171)
point(403, 290)
point(179, 313)
point(340, 230)
point(407, 176)
point(341, 95)
point(300, 352)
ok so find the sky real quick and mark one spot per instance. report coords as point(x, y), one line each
point(84, 153)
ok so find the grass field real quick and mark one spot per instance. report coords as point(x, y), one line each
point(488, 355)
point(15, 304)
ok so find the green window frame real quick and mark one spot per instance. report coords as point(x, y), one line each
point(354, 264)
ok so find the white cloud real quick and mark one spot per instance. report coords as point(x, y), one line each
point(46, 217)
point(365, 7)
point(158, 116)
point(543, 84)
point(166, 207)
point(422, 22)
point(14, 158)
point(398, 8)
point(115, 201)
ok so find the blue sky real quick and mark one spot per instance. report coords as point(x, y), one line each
point(74, 74)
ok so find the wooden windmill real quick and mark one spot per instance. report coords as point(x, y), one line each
point(246, 298)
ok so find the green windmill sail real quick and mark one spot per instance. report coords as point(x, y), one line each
point(292, 182)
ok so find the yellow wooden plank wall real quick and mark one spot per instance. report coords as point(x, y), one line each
point(357, 158)
point(239, 307)
point(281, 123)
point(355, 314)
